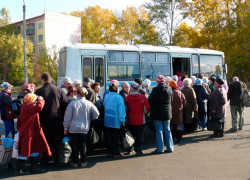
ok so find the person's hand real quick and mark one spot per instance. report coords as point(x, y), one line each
point(123, 124)
point(213, 112)
point(65, 132)
point(40, 98)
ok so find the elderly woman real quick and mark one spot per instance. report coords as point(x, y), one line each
point(32, 142)
point(136, 105)
point(6, 109)
point(145, 85)
point(193, 78)
point(218, 102)
point(160, 103)
point(114, 117)
point(125, 90)
point(178, 103)
point(202, 96)
point(191, 107)
point(168, 79)
point(77, 119)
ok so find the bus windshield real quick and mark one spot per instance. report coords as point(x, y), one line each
point(211, 64)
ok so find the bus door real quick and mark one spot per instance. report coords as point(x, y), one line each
point(181, 65)
point(92, 67)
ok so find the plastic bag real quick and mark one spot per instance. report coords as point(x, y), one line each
point(15, 147)
point(128, 140)
point(64, 152)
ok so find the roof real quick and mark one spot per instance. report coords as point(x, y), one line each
point(141, 47)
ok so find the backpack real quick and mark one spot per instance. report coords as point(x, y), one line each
point(245, 97)
point(16, 106)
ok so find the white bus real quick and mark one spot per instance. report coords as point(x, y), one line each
point(104, 62)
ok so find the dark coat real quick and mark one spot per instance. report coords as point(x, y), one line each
point(91, 94)
point(160, 102)
point(55, 103)
point(234, 93)
point(123, 94)
point(178, 103)
point(201, 95)
point(31, 136)
point(6, 106)
point(188, 110)
point(218, 102)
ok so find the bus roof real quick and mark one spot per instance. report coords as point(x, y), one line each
point(142, 47)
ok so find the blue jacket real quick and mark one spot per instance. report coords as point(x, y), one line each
point(201, 93)
point(114, 110)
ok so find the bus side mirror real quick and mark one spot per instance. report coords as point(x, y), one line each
point(225, 68)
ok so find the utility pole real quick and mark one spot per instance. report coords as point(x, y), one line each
point(24, 45)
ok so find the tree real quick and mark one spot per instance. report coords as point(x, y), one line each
point(48, 62)
point(166, 14)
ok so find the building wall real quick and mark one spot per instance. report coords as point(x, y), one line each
point(61, 30)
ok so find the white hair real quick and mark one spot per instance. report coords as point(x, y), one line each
point(187, 82)
point(124, 85)
point(235, 78)
point(168, 78)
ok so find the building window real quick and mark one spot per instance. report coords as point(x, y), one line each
point(31, 26)
point(32, 39)
point(40, 25)
point(40, 38)
point(40, 50)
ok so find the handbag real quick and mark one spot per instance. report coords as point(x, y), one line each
point(128, 140)
point(64, 152)
point(93, 136)
point(214, 124)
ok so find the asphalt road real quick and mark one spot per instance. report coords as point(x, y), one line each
point(197, 157)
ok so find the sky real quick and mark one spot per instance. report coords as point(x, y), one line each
point(36, 7)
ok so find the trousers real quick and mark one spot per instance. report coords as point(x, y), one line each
point(234, 111)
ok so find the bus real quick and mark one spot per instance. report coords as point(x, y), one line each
point(105, 62)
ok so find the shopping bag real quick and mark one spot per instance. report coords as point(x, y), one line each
point(93, 136)
point(15, 147)
point(128, 140)
point(64, 152)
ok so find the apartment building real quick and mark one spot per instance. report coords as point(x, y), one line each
point(51, 29)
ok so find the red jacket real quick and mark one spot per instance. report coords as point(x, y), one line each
point(31, 136)
point(137, 105)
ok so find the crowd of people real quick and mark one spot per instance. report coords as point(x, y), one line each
point(77, 110)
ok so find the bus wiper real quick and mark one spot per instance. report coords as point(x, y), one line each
point(153, 70)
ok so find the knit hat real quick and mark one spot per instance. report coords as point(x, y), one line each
point(146, 82)
point(218, 76)
point(33, 86)
point(6, 85)
point(175, 78)
point(135, 86)
point(29, 98)
point(115, 81)
point(160, 79)
point(173, 84)
point(26, 87)
point(198, 81)
point(178, 73)
point(77, 82)
point(205, 80)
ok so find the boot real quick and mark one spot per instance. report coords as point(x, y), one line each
point(34, 166)
point(20, 168)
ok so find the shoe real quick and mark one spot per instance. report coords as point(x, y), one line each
point(214, 136)
point(139, 154)
point(156, 152)
point(84, 164)
point(34, 167)
point(73, 164)
point(118, 155)
point(233, 130)
point(166, 151)
point(204, 129)
point(20, 168)
point(130, 153)
point(241, 128)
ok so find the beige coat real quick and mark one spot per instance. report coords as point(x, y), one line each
point(188, 111)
